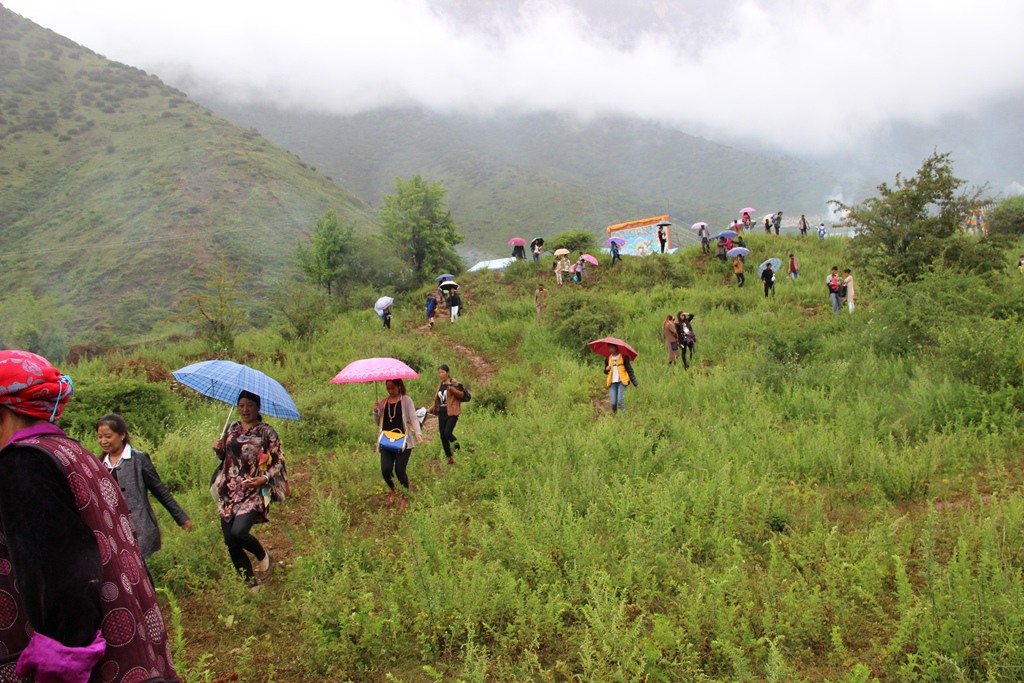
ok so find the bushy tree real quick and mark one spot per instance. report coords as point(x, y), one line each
point(1007, 218)
point(573, 240)
point(327, 260)
point(304, 310)
point(904, 231)
point(214, 311)
point(418, 226)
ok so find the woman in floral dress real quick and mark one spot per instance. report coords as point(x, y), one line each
point(251, 457)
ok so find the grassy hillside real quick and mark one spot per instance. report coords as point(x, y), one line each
point(543, 174)
point(119, 194)
point(821, 498)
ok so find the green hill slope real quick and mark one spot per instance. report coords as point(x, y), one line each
point(817, 498)
point(542, 173)
point(119, 193)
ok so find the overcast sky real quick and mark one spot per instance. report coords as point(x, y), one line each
point(801, 76)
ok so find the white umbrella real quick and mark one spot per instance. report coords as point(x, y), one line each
point(383, 303)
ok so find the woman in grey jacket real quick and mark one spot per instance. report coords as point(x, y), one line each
point(136, 476)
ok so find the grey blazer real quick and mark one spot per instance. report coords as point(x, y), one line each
point(136, 476)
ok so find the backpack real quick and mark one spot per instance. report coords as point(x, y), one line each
point(466, 398)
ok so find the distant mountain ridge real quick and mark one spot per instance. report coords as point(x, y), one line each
point(119, 194)
point(542, 174)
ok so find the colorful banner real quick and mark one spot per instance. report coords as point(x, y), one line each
point(641, 235)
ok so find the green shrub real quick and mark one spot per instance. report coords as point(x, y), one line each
point(583, 316)
point(149, 408)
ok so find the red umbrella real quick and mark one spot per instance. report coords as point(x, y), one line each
point(600, 346)
point(517, 242)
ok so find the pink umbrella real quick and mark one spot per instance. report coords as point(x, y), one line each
point(749, 210)
point(589, 259)
point(600, 346)
point(374, 370)
point(517, 242)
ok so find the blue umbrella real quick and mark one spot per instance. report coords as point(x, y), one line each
point(737, 251)
point(662, 224)
point(726, 233)
point(223, 380)
point(775, 264)
point(442, 278)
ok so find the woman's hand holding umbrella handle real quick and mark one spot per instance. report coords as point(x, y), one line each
point(218, 445)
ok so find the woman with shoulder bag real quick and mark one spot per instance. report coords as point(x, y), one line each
point(396, 417)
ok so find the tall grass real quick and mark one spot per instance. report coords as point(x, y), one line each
point(804, 503)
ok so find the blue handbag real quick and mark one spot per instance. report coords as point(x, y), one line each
point(391, 441)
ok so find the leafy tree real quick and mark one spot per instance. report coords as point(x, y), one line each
point(573, 240)
point(1007, 218)
point(214, 311)
point(416, 222)
point(35, 323)
point(327, 261)
point(905, 230)
point(304, 310)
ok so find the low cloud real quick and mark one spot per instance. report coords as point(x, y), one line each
point(802, 76)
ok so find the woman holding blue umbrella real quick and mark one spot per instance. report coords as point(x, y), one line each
point(251, 459)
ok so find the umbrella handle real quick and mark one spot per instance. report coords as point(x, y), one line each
point(224, 432)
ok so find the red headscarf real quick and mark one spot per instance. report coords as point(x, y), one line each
point(29, 385)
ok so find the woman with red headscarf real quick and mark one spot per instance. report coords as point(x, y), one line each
point(77, 596)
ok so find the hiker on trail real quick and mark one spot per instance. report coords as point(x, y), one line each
point(396, 417)
point(737, 268)
point(768, 278)
point(685, 334)
point(137, 477)
point(447, 406)
point(454, 304)
point(747, 223)
point(539, 298)
point(73, 610)
point(768, 224)
point(386, 317)
point(705, 239)
point(668, 331)
point(1020, 263)
point(251, 456)
point(519, 252)
point(777, 222)
point(803, 225)
point(662, 238)
point(794, 268)
point(431, 308)
point(581, 271)
point(615, 252)
point(822, 233)
point(846, 290)
point(834, 285)
point(535, 248)
point(720, 249)
point(620, 375)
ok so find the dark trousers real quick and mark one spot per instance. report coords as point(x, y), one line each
point(740, 279)
point(397, 463)
point(446, 425)
point(238, 540)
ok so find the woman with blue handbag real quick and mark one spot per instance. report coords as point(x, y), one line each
point(396, 416)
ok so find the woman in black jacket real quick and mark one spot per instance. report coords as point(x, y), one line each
point(136, 476)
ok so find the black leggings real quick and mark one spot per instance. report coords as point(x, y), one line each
point(446, 425)
point(238, 540)
point(391, 462)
